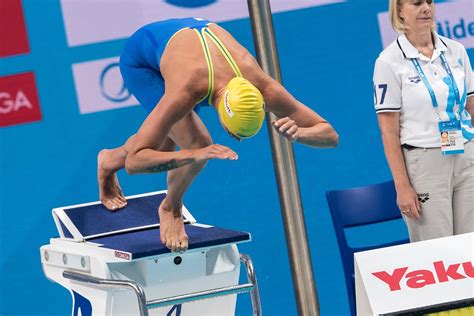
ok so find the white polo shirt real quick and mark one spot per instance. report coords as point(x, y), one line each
point(399, 88)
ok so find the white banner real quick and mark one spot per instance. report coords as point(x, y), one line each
point(453, 19)
point(100, 87)
point(92, 21)
point(415, 275)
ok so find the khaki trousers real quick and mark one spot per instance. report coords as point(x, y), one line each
point(445, 188)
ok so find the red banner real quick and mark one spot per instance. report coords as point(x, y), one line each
point(19, 101)
point(13, 35)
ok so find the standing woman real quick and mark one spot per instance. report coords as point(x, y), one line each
point(424, 99)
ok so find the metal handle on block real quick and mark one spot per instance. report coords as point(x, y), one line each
point(82, 277)
point(252, 278)
point(201, 295)
point(143, 305)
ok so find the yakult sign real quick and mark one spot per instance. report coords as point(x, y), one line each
point(415, 279)
point(415, 275)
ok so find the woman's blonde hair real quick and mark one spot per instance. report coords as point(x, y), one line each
point(397, 22)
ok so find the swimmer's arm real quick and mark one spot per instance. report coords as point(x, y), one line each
point(143, 156)
point(310, 128)
point(153, 161)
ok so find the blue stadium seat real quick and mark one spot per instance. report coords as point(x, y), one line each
point(357, 207)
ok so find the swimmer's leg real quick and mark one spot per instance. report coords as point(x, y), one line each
point(109, 161)
point(188, 133)
point(148, 86)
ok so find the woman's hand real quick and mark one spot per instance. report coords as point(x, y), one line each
point(407, 201)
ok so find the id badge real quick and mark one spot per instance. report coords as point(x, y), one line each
point(452, 141)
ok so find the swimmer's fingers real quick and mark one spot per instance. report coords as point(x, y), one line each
point(215, 151)
point(279, 122)
point(222, 152)
point(287, 128)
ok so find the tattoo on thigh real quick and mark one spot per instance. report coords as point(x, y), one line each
point(165, 166)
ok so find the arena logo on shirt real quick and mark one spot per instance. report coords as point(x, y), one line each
point(100, 87)
point(112, 20)
point(414, 79)
point(19, 102)
point(453, 20)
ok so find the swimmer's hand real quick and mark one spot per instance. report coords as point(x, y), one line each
point(287, 128)
point(214, 151)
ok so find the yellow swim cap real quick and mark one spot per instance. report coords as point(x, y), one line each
point(241, 108)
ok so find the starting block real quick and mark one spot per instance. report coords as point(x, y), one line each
point(113, 263)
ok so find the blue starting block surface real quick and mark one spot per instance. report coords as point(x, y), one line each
point(95, 219)
point(134, 230)
point(146, 243)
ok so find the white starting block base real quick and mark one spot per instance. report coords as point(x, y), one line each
point(106, 280)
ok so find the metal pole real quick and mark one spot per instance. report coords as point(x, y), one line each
point(285, 169)
point(252, 278)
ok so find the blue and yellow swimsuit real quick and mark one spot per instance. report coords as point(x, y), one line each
point(140, 58)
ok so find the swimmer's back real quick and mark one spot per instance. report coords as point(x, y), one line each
point(146, 46)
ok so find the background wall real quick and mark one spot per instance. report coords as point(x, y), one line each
point(55, 116)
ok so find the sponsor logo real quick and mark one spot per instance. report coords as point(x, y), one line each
point(19, 101)
point(414, 79)
point(15, 40)
point(122, 255)
point(100, 86)
point(108, 84)
point(423, 197)
point(226, 105)
point(112, 20)
point(454, 20)
point(460, 30)
point(420, 278)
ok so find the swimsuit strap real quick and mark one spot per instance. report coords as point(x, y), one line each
point(210, 67)
point(224, 51)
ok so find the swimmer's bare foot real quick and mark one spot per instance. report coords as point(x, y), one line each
point(172, 233)
point(109, 188)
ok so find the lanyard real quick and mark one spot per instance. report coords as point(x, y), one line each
point(450, 74)
point(428, 85)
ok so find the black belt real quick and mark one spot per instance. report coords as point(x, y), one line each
point(409, 147)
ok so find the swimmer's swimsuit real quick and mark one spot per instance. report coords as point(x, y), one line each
point(140, 58)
